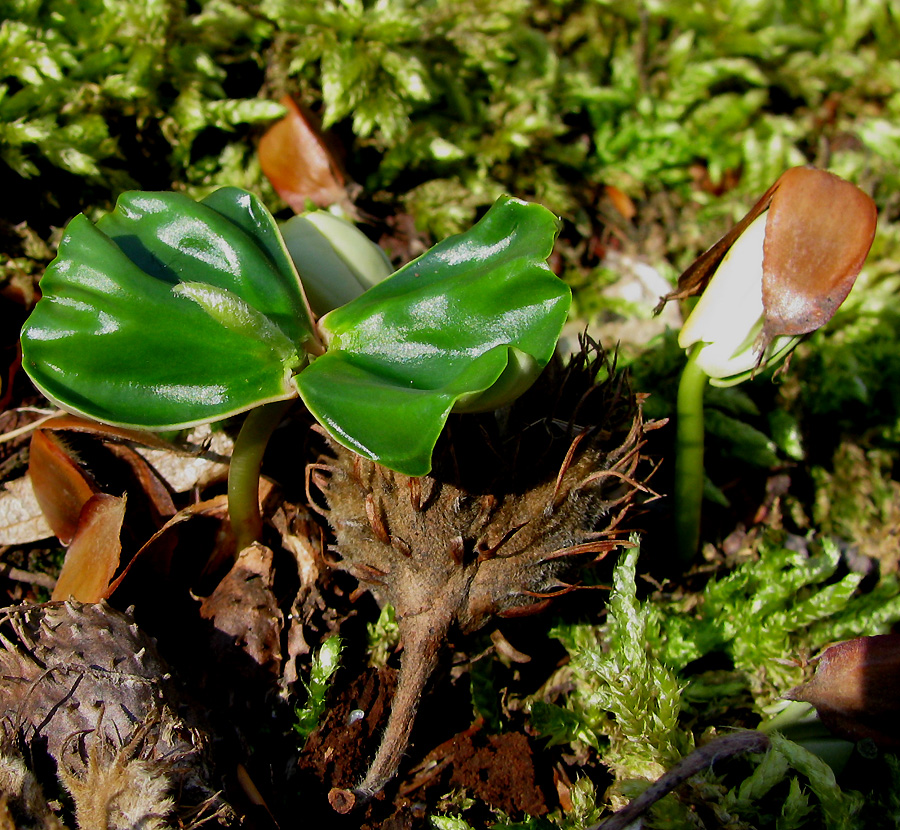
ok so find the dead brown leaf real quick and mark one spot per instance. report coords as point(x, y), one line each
point(61, 485)
point(183, 471)
point(105, 431)
point(297, 160)
point(93, 557)
point(243, 608)
point(21, 518)
point(159, 499)
point(621, 201)
point(302, 537)
point(216, 507)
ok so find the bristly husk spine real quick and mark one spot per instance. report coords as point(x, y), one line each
point(516, 499)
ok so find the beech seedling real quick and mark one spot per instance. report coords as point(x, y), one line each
point(170, 312)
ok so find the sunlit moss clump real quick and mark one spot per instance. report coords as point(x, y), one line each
point(625, 693)
point(325, 663)
point(103, 89)
point(449, 103)
point(640, 697)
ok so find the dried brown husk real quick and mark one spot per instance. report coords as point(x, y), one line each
point(516, 501)
point(819, 229)
point(80, 684)
point(855, 687)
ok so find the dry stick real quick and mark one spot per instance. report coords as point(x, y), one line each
point(15, 433)
point(18, 575)
point(422, 637)
point(727, 746)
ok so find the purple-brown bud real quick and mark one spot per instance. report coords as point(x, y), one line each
point(856, 689)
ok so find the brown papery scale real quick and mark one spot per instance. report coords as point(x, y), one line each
point(516, 501)
point(818, 233)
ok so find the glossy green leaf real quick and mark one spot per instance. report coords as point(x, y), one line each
point(439, 332)
point(169, 312)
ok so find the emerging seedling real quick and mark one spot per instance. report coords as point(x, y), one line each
point(171, 312)
point(778, 275)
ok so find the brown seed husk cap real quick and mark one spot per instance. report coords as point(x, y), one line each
point(854, 689)
point(819, 230)
point(516, 498)
point(818, 233)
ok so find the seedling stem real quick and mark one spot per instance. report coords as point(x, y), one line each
point(243, 474)
point(689, 475)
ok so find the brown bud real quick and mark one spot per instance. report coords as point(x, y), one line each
point(856, 689)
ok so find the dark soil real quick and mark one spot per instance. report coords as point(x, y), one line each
point(501, 771)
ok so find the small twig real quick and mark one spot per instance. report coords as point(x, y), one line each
point(24, 430)
point(18, 575)
point(727, 746)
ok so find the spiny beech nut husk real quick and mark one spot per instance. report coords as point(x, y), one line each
point(516, 499)
point(82, 682)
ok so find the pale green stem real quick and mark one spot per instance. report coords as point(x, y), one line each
point(796, 712)
point(243, 474)
point(689, 475)
point(798, 723)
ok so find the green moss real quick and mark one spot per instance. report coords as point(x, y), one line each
point(446, 103)
point(80, 83)
point(639, 694)
point(624, 693)
point(325, 663)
